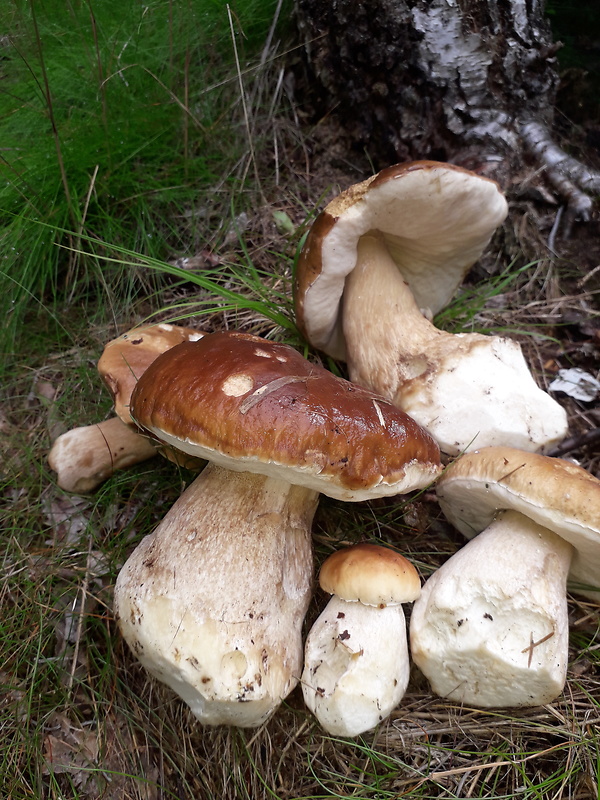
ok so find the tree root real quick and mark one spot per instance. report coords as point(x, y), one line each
point(568, 176)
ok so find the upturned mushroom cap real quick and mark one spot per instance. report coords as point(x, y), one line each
point(127, 357)
point(558, 495)
point(252, 405)
point(436, 220)
point(370, 574)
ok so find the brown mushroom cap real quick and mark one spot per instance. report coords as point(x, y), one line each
point(370, 574)
point(253, 405)
point(558, 495)
point(127, 357)
point(436, 220)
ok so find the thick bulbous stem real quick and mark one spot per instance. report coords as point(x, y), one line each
point(491, 625)
point(212, 603)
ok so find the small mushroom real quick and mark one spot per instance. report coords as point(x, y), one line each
point(85, 457)
point(491, 625)
point(212, 602)
point(382, 258)
point(356, 663)
point(125, 359)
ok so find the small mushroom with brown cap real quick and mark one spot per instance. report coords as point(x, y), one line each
point(380, 252)
point(86, 456)
point(491, 625)
point(212, 602)
point(356, 663)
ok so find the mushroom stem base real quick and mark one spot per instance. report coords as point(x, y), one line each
point(212, 603)
point(491, 626)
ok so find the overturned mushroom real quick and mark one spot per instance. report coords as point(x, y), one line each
point(84, 457)
point(383, 250)
point(212, 603)
point(491, 626)
point(356, 664)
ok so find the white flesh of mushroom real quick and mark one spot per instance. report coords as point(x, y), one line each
point(491, 625)
point(212, 603)
point(356, 665)
point(84, 457)
point(467, 390)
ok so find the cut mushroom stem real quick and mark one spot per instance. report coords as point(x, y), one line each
point(212, 602)
point(84, 457)
point(468, 390)
point(356, 664)
point(491, 625)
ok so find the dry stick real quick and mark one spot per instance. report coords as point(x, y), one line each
point(435, 776)
point(84, 591)
point(575, 442)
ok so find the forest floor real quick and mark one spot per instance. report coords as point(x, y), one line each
point(79, 716)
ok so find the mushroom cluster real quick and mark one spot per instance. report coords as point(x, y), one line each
point(212, 603)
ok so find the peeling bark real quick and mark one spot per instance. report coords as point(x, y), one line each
point(467, 81)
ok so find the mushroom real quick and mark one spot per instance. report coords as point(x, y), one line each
point(399, 242)
point(125, 359)
point(356, 664)
point(491, 625)
point(84, 457)
point(212, 602)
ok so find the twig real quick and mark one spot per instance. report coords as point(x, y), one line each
point(575, 442)
point(84, 591)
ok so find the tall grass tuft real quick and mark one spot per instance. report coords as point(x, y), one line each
point(109, 128)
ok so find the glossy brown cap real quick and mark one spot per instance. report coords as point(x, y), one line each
point(557, 494)
point(253, 405)
point(126, 358)
point(370, 574)
point(436, 220)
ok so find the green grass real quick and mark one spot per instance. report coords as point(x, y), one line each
point(114, 117)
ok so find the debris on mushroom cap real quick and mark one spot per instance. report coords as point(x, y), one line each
point(84, 457)
point(370, 574)
point(249, 404)
point(126, 358)
point(557, 494)
point(436, 220)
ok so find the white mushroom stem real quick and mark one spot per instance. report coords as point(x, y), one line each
point(212, 603)
point(491, 626)
point(84, 457)
point(356, 665)
point(467, 390)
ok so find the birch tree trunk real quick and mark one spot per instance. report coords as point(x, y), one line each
point(467, 81)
